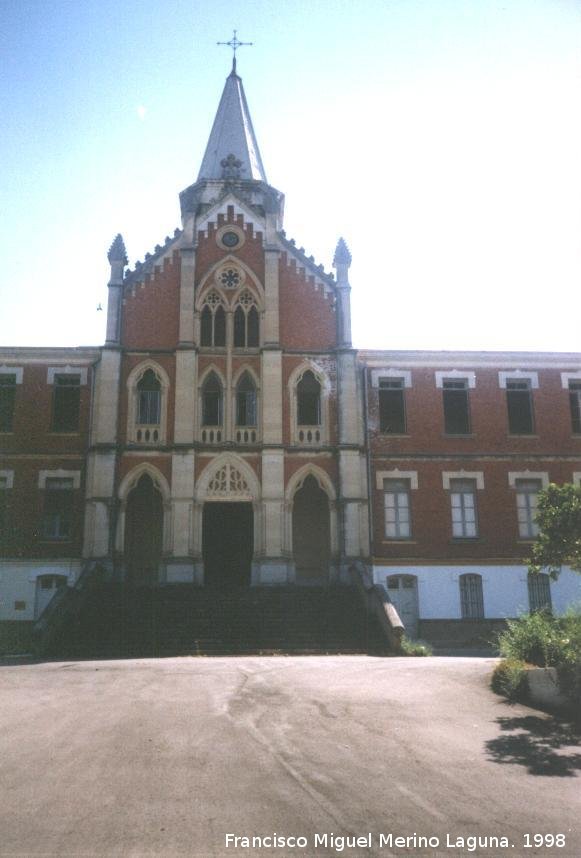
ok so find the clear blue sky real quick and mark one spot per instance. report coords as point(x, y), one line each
point(442, 138)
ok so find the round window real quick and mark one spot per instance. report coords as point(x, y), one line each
point(230, 239)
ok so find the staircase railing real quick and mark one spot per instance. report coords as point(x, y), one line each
point(378, 603)
point(64, 606)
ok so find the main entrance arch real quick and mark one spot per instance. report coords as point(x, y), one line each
point(311, 531)
point(143, 533)
point(227, 496)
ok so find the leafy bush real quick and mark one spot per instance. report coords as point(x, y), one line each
point(510, 679)
point(542, 639)
point(417, 648)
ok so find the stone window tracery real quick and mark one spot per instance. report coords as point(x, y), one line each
point(228, 481)
point(148, 387)
point(246, 322)
point(213, 322)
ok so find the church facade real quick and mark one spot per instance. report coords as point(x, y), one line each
point(227, 433)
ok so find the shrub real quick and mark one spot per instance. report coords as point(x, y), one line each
point(542, 640)
point(510, 679)
point(417, 648)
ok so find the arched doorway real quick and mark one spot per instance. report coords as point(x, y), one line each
point(311, 533)
point(143, 533)
point(227, 544)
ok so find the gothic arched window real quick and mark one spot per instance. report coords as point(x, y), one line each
point(308, 400)
point(213, 322)
point(246, 324)
point(212, 401)
point(246, 401)
point(148, 399)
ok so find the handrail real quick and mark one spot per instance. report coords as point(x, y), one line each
point(377, 602)
point(66, 602)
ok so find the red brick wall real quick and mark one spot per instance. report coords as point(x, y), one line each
point(209, 253)
point(307, 317)
point(151, 309)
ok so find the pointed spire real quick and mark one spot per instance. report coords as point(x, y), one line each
point(232, 151)
point(117, 252)
point(342, 254)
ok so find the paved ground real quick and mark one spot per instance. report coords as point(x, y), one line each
point(165, 757)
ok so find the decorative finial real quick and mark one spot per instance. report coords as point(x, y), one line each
point(342, 255)
point(117, 252)
point(234, 43)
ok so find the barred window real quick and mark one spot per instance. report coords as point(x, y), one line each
point(463, 503)
point(471, 598)
point(396, 501)
point(539, 587)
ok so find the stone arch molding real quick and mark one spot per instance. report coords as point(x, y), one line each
point(323, 378)
point(251, 283)
point(228, 478)
point(322, 477)
point(132, 381)
point(128, 483)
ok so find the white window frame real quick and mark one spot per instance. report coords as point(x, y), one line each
point(8, 475)
point(458, 502)
point(518, 375)
point(81, 371)
point(442, 375)
point(403, 374)
point(17, 371)
point(402, 523)
point(527, 529)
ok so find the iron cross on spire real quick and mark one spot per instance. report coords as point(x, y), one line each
point(234, 43)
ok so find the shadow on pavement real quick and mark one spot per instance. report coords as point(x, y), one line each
point(540, 744)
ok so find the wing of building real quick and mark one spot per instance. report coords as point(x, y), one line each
point(227, 437)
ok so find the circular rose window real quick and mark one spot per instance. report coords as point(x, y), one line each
point(230, 239)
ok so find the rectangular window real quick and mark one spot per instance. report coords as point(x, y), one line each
point(575, 402)
point(463, 501)
point(471, 598)
point(526, 507)
point(539, 587)
point(456, 414)
point(392, 406)
point(66, 403)
point(58, 508)
point(520, 407)
point(396, 500)
point(7, 401)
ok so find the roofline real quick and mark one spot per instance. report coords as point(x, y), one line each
point(86, 353)
point(378, 358)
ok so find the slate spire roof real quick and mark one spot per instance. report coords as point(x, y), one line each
point(232, 151)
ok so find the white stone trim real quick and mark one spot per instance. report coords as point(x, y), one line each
point(404, 374)
point(396, 474)
point(323, 379)
point(455, 375)
point(518, 375)
point(211, 216)
point(132, 395)
point(577, 478)
point(59, 473)
point(8, 475)
point(66, 370)
point(513, 476)
point(477, 476)
point(566, 377)
point(12, 370)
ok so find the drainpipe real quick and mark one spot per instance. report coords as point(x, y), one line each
point(370, 487)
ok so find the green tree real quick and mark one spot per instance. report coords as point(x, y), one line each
point(559, 521)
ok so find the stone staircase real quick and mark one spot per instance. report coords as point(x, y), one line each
point(185, 620)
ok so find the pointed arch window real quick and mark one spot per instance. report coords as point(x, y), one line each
point(246, 323)
point(246, 401)
point(213, 322)
point(212, 401)
point(309, 400)
point(148, 399)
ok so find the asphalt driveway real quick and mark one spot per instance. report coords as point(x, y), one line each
point(167, 757)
